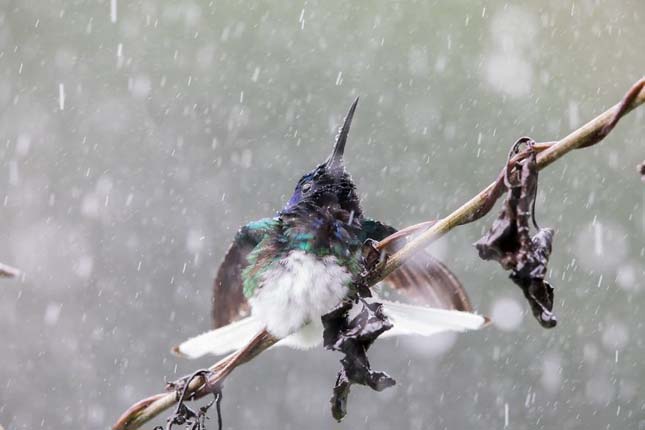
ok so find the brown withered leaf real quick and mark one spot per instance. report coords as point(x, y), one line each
point(529, 275)
point(353, 337)
point(509, 242)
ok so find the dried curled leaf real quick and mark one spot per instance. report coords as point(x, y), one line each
point(529, 275)
point(353, 337)
point(508, 241)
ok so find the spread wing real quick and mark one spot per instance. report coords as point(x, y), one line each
point(229, 303)
point(422, 279)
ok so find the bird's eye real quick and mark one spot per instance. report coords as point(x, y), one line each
point(306, 187)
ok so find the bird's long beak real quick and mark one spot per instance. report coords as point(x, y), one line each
point(335, 160)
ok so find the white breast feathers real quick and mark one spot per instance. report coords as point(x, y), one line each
point(299, 289)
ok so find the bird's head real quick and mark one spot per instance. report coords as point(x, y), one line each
point(328, 185)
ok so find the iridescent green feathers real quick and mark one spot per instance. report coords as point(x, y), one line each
point(321, 233)
point(229, 303)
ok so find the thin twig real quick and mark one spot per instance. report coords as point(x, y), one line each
point(8, 271)
point(146, 409)
point(403, 233)
point(589, 134)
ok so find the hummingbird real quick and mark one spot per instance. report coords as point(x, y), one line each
point(283, 273)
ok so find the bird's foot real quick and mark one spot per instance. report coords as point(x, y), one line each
point(373, 259)
point(373, 254)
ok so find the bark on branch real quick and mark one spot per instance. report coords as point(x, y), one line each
point(589, 134)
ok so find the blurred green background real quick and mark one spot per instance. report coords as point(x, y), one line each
point(137, 136)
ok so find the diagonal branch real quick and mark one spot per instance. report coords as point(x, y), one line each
point(589, 134)
point(8, 271)
point(148, 408)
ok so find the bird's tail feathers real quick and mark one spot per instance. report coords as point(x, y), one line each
point(421, 320)
point(220, 341)
point(406, 319)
